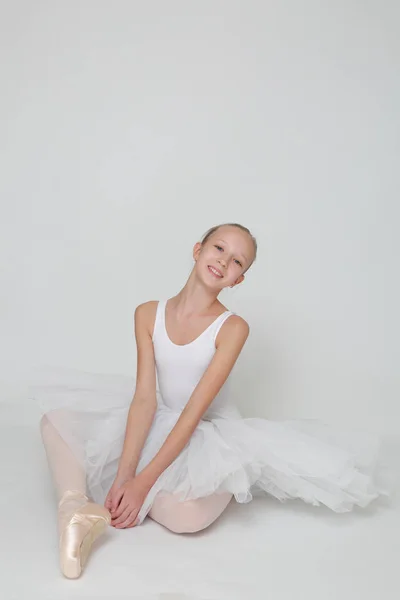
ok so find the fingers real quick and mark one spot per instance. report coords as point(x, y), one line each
point(117, 512)
point(135, 522)
point(122, 516)
point(108, 501)
point(116, 500)
point(130, 521)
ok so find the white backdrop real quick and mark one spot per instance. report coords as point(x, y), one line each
point(128, 128)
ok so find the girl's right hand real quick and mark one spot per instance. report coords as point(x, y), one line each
point(113, 497)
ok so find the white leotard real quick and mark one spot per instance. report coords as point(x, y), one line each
point(180, 367)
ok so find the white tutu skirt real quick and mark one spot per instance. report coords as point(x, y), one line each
point(300, 459)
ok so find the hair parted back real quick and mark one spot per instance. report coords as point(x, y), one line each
point(210, 232)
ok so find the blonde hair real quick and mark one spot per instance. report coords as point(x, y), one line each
point(211, 231)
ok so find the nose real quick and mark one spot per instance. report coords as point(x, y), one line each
point(222, 261)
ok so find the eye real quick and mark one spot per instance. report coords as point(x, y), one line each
point(218, 247)
point(238, 262)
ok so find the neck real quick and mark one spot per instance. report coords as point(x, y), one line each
point(194, 298)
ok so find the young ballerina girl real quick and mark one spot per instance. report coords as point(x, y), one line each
point(179, 452)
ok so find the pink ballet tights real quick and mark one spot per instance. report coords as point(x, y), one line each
point(68, 474)
point(65, 468)
point(189, 516)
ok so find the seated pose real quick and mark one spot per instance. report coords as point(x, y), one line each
point(178, 452)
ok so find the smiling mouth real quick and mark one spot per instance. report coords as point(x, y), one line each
point(215, 272)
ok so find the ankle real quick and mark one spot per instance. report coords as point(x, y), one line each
point(72, 495)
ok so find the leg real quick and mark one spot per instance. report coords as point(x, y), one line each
point(80, 521)
point(189, 516)
point(67, 472)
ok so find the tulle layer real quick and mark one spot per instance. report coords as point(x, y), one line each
point(288, 459)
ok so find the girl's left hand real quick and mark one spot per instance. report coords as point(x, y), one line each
point(127, 502)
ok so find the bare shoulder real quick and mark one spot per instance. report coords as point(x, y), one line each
point(145, 315)
point(234, 329)
point(237, 324)
point(147, 308)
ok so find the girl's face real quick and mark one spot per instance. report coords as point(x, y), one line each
point(222, 260)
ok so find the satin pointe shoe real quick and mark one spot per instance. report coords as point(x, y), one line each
point(81, 522)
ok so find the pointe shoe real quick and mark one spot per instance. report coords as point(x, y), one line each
point(81, 522)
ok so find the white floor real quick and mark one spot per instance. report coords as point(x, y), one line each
point(256, 551)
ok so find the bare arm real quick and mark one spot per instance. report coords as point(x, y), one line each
point(144, 403)
point(231, 340)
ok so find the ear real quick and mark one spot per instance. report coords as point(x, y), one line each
point(196, 250)
point(238, 280)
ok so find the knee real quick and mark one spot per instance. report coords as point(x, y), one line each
point(190, 518)
point(44, 423)
point(55, 415)
point(46, 426)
